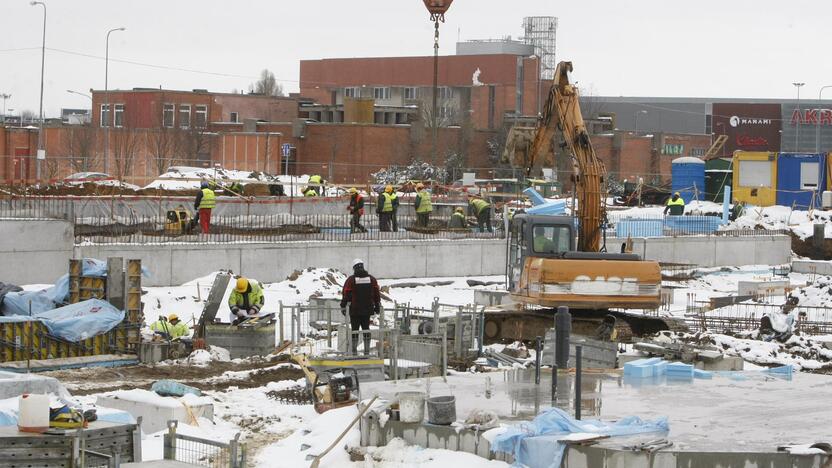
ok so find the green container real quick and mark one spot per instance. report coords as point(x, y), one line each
point(718, 174)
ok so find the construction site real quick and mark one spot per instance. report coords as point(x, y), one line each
point(565, 306)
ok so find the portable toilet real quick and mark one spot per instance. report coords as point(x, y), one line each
point(801, 179)
point(755, 178)
point(688, 178)
point(718, 175)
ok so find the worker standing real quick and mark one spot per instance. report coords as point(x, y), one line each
point(316, 182)
point(384, 208)
point(423, 205)
point(362, 293)
point(675, 205)
point(205, 201)
point(458, 220)
point(356, 209)
point(394, 216)
point(482, 210)
point(169, 328)
point(246, 300)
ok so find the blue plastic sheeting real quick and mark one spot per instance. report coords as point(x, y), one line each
point(692, 224)
point(552, 208)
point(83, 320)
point(173, 388)
point(536, 445)
point(639, 228)
point(535, 196)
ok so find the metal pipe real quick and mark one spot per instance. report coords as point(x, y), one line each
point(578, 366)
point(817, 120)
point(107, 99)
point(563, 328)
point(537, 348)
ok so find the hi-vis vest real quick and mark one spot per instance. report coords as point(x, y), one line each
point(315, 179)
point(209, 199)
point(424, 202)
point(388, 202)
point(479, 205)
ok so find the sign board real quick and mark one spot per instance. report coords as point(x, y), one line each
point(469, 178)
point(286, 150)
point(41, 154)
point(750, 127)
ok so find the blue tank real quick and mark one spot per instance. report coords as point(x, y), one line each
point(688, 178)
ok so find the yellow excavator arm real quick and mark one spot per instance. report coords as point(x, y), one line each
point(563, 113)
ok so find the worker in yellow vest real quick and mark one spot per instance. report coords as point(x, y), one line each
point(310, 192)
point(458, 220)
point(316, 182)
point(394, 217)
point(205, 201)
point(423, 205)
point(482, 210)
point(385, 207)
point(675, 205)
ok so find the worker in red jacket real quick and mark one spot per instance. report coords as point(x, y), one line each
point(362, 293)
point(356, 209)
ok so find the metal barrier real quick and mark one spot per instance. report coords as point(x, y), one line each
point(203, 452)
point(700, 316)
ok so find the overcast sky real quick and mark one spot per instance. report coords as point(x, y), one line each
point(701, 48)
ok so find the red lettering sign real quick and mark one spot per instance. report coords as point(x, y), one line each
point(796, 117)
point(811, 116)
point(745, 141)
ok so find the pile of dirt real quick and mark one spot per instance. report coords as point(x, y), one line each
point(806, 248)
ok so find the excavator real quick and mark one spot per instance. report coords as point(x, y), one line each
point(560, 260)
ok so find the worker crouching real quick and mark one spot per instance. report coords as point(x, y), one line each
point(246, 300)
point(169, 328)
point(362, 293)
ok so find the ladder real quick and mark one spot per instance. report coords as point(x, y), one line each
point(716, 147)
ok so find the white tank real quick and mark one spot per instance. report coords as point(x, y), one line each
point(826, 200)
point(33, 414)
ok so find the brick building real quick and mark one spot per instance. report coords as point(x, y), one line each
point(155, 108)
point(483, 88)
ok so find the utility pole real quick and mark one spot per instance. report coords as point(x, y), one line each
point(41, 153)
point(5, 96)
point(109, 112)
point(799, 120)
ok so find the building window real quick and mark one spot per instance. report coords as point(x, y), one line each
point(446, 92)
point(809, 175)
point(381, 93)
point(167, 116)
point(184, 115)
point(201, 116)
point(697, 152)
point(445, 115)
point(119, 115)
point(709, 120)
point(105, 117)
point(235, 117)
point(411, 93)
point(755, 173)
point(673, 149)
point(353, 92)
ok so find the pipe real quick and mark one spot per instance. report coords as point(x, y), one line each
point(578, 366)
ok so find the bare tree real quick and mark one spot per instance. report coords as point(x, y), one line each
point(267, 85)
point(195, 144)
point(125, 145)
point(165, 144)
point(78, 144)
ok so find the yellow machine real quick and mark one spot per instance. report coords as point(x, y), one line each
point(560, 260)
point(329, 389)
point(178, 221)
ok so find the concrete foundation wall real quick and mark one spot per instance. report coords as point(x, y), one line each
point(32, 251)
point(175, 264)
point(817, 267)
point(711, 251)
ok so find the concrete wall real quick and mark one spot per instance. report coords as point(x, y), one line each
point(176, 264)
point(818, 267)
point(34, 251)
point(712, 251)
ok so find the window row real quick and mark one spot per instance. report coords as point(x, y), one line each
point(410, 92)
point(169, 118)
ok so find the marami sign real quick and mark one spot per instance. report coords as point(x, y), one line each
point(736, 121)
point(810, 116)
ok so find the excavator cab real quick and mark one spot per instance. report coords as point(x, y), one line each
point(539, 236)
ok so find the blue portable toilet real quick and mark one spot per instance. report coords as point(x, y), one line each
point(688, 177)
point(800, 176)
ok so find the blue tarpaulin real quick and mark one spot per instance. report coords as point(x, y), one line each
point(536, 444)
point(76, 322)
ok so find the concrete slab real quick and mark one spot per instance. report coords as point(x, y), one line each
point(13, 384)
point(718, 415)
point(817, 267)
point(156, 411)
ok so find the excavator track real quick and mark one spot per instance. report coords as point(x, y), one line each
point(526, 325)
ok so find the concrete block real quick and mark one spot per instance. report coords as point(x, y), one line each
point(818, 267)
point(242, 342)
point(679, 369)
point(760, 288)
point(13, 384)
point(156, 411)
point(642, 367)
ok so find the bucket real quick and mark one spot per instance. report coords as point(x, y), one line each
point(442, 410)
point(411, 406)
point(33, 413)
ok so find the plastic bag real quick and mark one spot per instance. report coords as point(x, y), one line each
point(80, 321)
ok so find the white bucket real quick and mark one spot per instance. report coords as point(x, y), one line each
point(33, 413)
point(411, 406)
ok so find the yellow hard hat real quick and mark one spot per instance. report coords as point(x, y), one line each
point(420, 185)
point(677, 194)
point(353, 190)
point(459, 209)
point(242, 285)
point(172, 317)
point(388, 189)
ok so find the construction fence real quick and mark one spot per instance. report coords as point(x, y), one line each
point(411, 341)
point(703, 316)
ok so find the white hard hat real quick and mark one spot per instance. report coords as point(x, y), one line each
point(357, 261)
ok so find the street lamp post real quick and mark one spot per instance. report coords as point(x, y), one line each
point(800, 118)
point(80, 94)
point(817, 119)
point(109, 112)
point(437, 9)
point(41, 154)
point(5, 96)
point(637, 114)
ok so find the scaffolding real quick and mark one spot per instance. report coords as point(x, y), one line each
point(541, 32)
